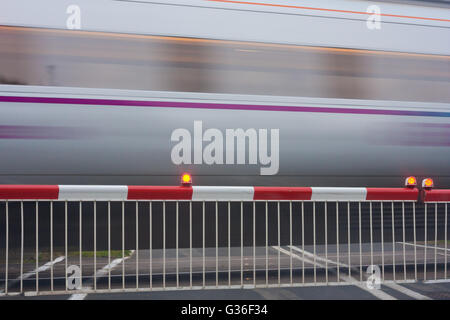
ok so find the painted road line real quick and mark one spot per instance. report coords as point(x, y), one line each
point(428, 247)
point(406, 291)
point(308, 254)
point(437, 281)
point(377, 293)
point(393, 286)
point(42, 268)
point(99, 274)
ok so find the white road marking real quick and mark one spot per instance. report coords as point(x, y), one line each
point(393, 286)
point(377, 293)
point(44, 267)
point(437, 281)
point(407, 291)
point(306, 253)
point(78, 296)
point(99, 274)
point(428, 247)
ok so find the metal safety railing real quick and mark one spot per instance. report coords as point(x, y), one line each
point(82, 239)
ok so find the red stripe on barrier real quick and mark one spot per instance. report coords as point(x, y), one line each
point(392, 194)
point(436, 195)
point(12, 192)
point(159, 193)
point(282, 193)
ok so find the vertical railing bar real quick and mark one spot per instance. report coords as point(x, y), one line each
point(190, 244)
point(254, 245)
point(314, 240)
point(21, 247)
point(290, 241)
point(414, 239)
point(279, 244)
point(164, 244)
point(176, 245)
point(242, 244)
point(371, 233)
point(229, 245)
point(203, 241)
point(137, 244)
point(37, 247)
point(303, 242)
point(326, 241)
point(435, 240)
point(393, 240)
point(445, 236)
point(267, 246)
point(360, 244)
point(65, 241)
point(81, 244)
point(95, 245)
point(425, 246)
point(404, 239)
point(382, 239)
point(348, 240)
point(7, 245)
point(150, 218)
point(123, 245)
point(217, 244)
point(109, 245)
point(51, 244)
point(337, 241)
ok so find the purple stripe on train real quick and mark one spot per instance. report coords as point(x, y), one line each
point(222, 106)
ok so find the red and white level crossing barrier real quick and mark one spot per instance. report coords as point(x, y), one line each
point(213, 193)
point(341, 224)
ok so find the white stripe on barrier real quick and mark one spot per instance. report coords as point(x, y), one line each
point(74, 192)
point(335, 194)
point(222, 193)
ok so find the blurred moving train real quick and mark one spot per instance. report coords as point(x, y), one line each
point(234, 92)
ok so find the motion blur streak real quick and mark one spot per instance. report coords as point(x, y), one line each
point(215, 41)
point(92, 60)
point(80, 107)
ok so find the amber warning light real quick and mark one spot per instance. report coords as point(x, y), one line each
point(410, 182)
point(186, 179)
point(427, 183)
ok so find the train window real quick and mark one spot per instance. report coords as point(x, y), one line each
point(48, 57)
